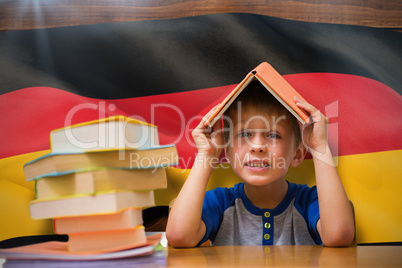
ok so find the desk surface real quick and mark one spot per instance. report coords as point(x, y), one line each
point(286, 256)
point(245, 256)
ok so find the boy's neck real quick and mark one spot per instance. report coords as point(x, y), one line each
point(267, 196)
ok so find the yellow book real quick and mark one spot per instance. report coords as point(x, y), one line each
point(86, 204)
point(107, 240)
point(53, 163)
point(108, 133)
point(100, 180)
point(124, 219)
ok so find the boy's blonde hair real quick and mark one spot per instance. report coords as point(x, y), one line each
point(258, 97)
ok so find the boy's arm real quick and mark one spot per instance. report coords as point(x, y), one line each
point(336, 223)
point(185, 227)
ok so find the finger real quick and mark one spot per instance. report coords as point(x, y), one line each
point(205, 119)
point(315, 114)
point(305, 105)
point(202, 130)
point(212, 111)
point(210, 115)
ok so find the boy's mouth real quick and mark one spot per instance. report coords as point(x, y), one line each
point(257, 164)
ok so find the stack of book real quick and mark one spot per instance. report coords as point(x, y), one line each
point(97, 179)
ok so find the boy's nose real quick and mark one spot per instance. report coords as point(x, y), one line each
point(258, 148)
point(258, 144)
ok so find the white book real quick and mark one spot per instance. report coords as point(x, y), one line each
point(115, 132)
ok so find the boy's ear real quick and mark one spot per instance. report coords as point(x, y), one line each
point(300, 153)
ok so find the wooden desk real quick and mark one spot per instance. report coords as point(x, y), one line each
point(245, 256)
point(286, 256)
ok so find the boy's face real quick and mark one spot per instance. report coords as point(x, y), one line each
point(262, 146)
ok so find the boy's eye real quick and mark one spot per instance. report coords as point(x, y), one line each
point(244, 134)
point(273, 136)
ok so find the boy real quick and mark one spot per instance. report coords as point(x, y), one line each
point(262, 139)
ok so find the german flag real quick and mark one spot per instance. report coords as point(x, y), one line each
point(171, 72)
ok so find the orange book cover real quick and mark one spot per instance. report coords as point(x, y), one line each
point(107, 240)
point(274, 83)
point(124, 219)
point(55, 250)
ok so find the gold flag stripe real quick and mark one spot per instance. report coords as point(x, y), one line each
point(372, 182)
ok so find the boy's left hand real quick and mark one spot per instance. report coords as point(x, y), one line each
point(315, 135)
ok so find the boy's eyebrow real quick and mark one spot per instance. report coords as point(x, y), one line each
point(257, 129)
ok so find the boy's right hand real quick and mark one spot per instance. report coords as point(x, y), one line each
point(209, 141)
point(185, 227)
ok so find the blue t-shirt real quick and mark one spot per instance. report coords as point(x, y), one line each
point(231, 219)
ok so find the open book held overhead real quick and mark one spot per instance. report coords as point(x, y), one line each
point(274, 83)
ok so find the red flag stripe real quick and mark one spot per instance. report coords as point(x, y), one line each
point(364, 114)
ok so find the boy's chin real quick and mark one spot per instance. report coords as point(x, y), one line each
point(260, 181)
